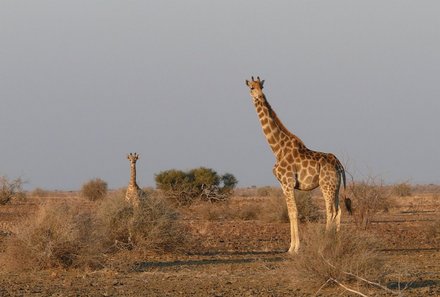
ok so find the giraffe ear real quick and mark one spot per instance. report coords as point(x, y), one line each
point(262, 83)
point(247, 83)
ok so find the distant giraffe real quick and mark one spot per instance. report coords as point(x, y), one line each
point(134, 194)
point(297, 167)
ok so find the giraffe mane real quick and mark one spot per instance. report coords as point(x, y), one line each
point(280, 124)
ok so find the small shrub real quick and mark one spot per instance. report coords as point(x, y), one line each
point(402, 190)
point(369, 197)
point(229, 182)
point(337, 256)
point(95, 189)
point(39, 193)
point(307, 208)
point(10, 189)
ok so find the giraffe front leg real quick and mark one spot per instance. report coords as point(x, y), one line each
point(292, 210)
point(293, 218)
point(287, 181)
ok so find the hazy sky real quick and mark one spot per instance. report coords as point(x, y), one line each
point(83, 83)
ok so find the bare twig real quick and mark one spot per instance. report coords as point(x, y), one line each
point(322, 287)
point(347, 288)
point(361, 278)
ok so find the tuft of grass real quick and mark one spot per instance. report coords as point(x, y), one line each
point(340, 256)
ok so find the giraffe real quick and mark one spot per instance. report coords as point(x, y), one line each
point(298, 167)
point(134, 194)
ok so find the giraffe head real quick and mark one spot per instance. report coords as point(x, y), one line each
point(256, 87)
point(133, 157)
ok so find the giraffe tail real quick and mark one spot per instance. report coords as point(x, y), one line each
point(347, 200)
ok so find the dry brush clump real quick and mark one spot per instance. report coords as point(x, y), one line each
point(11, 189)
point(341, 258)
point(95, 189)
point(369, 197)
point(153, 226)
point(80, 234)
point(57, 235)
point(402, 189)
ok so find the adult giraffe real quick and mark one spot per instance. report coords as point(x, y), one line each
point(297, 167)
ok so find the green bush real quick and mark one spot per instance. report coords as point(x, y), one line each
point(199, 183)
point(229, 182)
point(95, 189)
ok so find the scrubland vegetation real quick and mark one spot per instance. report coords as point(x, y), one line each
point(95, 228)
point(80, 233)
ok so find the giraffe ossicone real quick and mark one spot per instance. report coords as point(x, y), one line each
point(298, 167)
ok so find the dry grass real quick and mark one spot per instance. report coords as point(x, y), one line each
point(153, 226)
point(58, 235)
point(264, 208)
point(434, 232)
point(338, 256)
point(227, 210)
point(40, 193)
point(76, 233)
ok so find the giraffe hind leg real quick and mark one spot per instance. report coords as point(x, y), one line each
point(333, 211)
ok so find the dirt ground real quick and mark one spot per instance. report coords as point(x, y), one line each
point(241, 258)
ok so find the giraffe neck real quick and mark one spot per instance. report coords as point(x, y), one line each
point(276, 133)
point(133, 175)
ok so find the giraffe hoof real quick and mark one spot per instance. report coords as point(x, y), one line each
point(293, 251)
